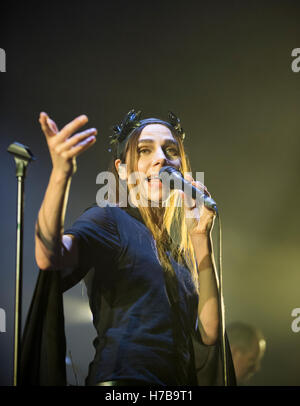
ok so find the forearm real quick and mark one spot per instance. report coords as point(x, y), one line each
point(64, 146)
point(50, 222)
point(208, 307)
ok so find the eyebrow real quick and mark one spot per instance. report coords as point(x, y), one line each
point(151, 141)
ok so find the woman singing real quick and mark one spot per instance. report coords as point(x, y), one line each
point(147, 264)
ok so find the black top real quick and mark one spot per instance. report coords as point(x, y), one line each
point(140, 336)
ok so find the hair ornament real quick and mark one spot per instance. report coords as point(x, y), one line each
point(129, 123)
point(132, 120)
point(175, 122)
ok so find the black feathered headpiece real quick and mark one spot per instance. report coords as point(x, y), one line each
point(132, 121)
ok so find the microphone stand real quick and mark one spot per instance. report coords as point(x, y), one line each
point(22, 156)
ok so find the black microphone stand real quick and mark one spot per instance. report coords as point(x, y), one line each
point(22, 156)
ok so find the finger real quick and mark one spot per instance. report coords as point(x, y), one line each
point(197, 184)
point(188, 177)
point(189, 202)
point(75, 139)
point(201, 187)
point(79, 148)
point(72, 127)
point(47, 130)
point(52, 125)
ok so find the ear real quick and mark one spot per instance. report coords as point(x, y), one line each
point(121, 169)
point(238, 355)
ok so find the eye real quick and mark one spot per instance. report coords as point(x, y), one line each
point(172, 151)
point(144, 151)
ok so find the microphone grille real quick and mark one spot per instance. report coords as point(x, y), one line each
point(168, 169)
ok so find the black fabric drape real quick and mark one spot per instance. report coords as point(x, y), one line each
point(43, 346)
point(209, 364)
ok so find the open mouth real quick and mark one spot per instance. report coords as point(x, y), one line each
point(153, 178)
point(154, 182)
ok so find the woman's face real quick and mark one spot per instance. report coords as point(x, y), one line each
point(156, 148)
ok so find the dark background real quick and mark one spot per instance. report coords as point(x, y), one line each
point(225, 69)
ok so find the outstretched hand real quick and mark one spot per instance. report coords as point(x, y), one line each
point(64, 146)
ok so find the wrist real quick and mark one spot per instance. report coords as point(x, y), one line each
point(59, 176)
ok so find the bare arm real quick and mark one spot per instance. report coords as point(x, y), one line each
point(208, 307)
point(200, 223)
point(52, 249)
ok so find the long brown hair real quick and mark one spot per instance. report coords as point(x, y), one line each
point(166, 224)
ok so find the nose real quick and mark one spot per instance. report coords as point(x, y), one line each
point(160, 158)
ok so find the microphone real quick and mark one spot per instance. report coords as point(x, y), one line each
point(177, 181)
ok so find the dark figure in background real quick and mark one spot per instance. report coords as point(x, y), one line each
point(248, 346)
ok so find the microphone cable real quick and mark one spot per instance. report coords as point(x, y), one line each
point(221, 300)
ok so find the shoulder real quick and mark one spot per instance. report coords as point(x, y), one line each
point(97, 224)
point(105, 214)
point(96, 214)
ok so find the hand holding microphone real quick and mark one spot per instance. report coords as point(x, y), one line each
point(199, 222)
point(177, 181)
